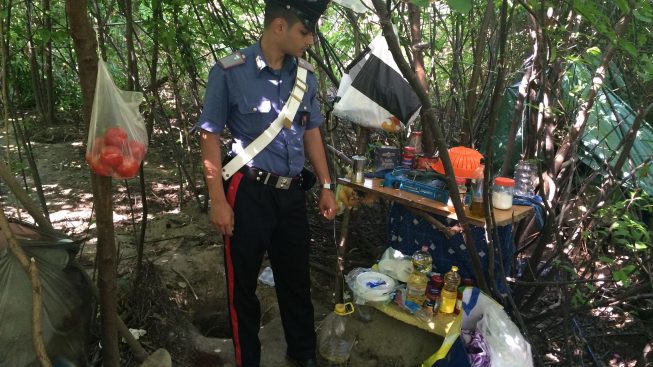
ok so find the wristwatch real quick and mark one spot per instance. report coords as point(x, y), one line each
point(328, 186)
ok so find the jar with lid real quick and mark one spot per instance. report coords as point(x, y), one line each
point(502, 192)
point(415, 141)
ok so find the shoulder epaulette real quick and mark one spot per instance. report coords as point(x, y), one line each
point(305, 64)
point(235, 59)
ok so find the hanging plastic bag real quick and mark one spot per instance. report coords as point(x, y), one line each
point(117, 139)
point(373, 93)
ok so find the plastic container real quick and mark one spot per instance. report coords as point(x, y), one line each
point(449, 291)
point(502, 192)
point(525, 178)
point(418, 279)
point(476, 207)
point(372, 286)
point(465, 162)
point(462, 188)
point(335, 339)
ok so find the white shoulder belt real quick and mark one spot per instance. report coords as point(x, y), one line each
point(285, 118)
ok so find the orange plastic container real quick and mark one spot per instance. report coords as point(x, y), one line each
point(465, 162)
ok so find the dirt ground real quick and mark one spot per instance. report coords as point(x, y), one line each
point(181, 302)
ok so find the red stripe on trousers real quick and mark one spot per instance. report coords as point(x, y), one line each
point(231, 199)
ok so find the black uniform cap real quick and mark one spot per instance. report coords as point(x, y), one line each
point(308, 11)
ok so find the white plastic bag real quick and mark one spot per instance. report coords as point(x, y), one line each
point(359, 6)
point(507, 345)
point(117, 139)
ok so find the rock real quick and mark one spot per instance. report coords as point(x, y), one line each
point(160, 358)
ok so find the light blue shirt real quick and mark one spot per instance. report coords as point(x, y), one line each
point(246, 99)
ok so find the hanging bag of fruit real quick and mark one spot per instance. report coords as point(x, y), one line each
point(117, 139)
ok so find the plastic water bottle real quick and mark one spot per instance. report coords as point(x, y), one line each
point(449, 290)
point(416, 284)
point(476, 207)
point(335, 339)
point(525, 178)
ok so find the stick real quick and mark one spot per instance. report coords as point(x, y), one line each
point(448, 232)
point(37, 304)
point(187, 282)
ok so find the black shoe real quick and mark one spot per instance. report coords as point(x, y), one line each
point(308, 362)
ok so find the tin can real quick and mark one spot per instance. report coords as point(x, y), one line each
point(359, 163)
point(408, 158)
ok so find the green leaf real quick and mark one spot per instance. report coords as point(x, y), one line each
point(646, 18)
point(606, 260)
point(594, 51)
point(623, 5)
point(461, 6)
point(421, 3)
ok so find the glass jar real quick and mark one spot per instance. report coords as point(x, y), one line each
point(502, 192)
point(415, 141)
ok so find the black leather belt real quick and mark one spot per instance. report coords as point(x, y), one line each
point(271, 179)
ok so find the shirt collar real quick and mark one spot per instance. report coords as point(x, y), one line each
point(289, 63)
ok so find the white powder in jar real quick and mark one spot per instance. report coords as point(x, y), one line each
point(501, 200)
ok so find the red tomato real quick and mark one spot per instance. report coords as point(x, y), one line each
point(96, 165)
point(128, 168)
point(136, 149)
point(111, 156)
point(115, 136)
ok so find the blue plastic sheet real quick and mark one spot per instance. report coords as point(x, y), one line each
point(407, 233)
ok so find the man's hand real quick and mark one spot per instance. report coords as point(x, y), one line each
point(222, 217)
point(327, 204)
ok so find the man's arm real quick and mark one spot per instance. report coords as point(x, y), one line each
point(221, 213)
point(315, 151)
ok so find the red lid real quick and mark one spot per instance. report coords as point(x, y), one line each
point(460, 180)
point(408, 148)
point(416, 133)
point(504, 181)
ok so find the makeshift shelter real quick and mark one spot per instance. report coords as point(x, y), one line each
point(66, 310)
point(608, 122)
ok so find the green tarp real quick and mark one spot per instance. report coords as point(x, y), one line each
point(608, 122)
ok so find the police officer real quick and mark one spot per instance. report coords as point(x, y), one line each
point(261, 208)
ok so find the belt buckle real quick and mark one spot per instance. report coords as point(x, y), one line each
point(283, 182)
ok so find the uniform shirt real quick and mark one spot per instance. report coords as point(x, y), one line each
point(246, 98)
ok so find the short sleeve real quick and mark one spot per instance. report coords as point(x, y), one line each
point(316, 115)
point(216, 102)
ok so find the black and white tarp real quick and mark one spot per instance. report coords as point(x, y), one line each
point(374, 94)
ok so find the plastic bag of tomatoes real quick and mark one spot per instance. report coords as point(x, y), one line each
point(117, 139)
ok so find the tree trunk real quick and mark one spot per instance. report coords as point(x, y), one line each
point(393, 45)
point(49, 81)
point(4, 63)
point(37, 88)
point(86, 51)
point(415, 21)
point(479, 48)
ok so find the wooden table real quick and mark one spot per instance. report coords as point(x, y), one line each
point(373, 185)
point(424, 204)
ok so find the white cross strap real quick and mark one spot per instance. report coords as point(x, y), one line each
point(285, 118)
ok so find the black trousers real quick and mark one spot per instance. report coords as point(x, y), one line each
point(274, 221)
